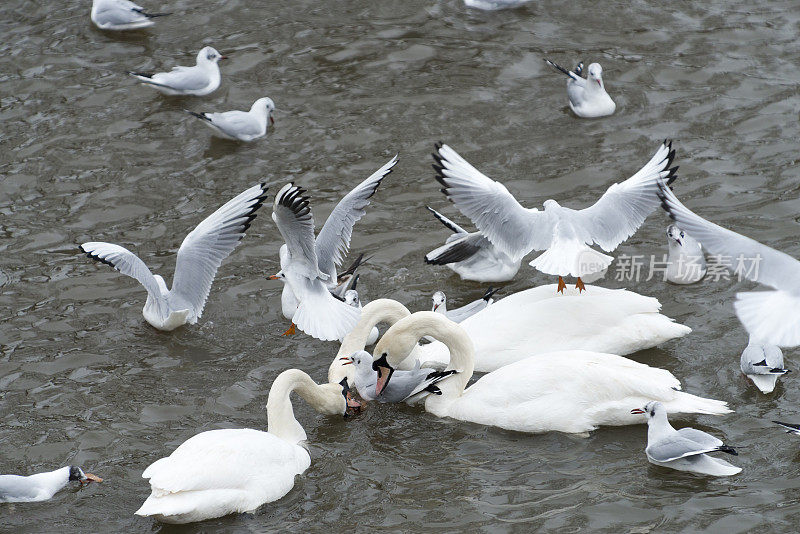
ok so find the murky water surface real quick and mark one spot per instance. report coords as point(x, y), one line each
point(89, 155)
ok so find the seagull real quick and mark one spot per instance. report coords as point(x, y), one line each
point(563, 233)
point(410, 383)
point(763, 364)
point(199, 80)
point(309, 265)
point(199, 257)
point(351, 299)
point(494, 5)
point(121, 15)
point(772, 317)
point(471, 255)
point(41, 486)
point(587, 96)
point(240, 125)
point(686, 263)
point(685, 449)
point(468, 310)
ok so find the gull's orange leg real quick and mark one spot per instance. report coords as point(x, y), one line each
point(561, 286)
point(579, 285)
point(292, 331)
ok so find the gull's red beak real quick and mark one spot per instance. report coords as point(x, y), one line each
point(637, 411)
point(435, 306)
point(598, 82)
point(271, 120)
point(273, 277)
point(223, 57)
point(347, 361)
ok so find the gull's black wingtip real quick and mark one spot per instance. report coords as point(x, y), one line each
point(728, 450)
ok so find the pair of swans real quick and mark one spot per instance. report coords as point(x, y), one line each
point(572, 391)
point(534, 321)
point(234, 470)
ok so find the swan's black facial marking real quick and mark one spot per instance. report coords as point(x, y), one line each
point(351, 406)
point(75, 473)
point(385, 371)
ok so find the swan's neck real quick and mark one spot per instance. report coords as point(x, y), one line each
point(280, 415)
point(377, 311)
point(436, 325)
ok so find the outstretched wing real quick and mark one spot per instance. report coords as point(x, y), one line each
point(512, 228)
point(623, 207)
point(203, 250)
point(775, 268)
point(333, 241)
point(124, 261)
point(292, 214)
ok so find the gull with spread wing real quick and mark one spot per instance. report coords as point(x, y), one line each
point(308, 265)
point(121, 15)
point(199, 257)
point(563, 233)
point(200, 80)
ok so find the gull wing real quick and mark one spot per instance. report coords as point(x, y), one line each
point(124, 261)
point(333, 240)
point(203, 250)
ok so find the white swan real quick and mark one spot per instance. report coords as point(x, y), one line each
point(228, 471)
point(539, 320)
point(41, 486)
point(569, 391)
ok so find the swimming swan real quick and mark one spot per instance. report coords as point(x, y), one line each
point(570, 391)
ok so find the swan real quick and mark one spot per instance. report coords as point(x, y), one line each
point(41, 486)
point(537, 320)
point(235, 470)
point(568, 391)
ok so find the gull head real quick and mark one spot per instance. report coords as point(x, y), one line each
point(278, 276)
point(651, 410)
point(77, 474)
point(351, 298)
point(209, 55)
point(438, 300)
point(595, 74)
point(675, 234)
point(267, 105)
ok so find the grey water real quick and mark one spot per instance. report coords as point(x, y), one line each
point(88, 154)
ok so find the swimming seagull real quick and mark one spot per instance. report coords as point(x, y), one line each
point(198, 259)
point(587, 96)
point(686, 263)
point(409, 383)
point(763, 364)
point(468, 310)
point(471, 255)
point(308, 263)
point(351, 299)
point(563, 233)
point(202, 79)
point(121, 15)
point(772, 317)
point(41, 486)
point(685, 449)
point(240, 125)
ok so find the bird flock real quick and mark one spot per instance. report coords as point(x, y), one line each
point(522, 343)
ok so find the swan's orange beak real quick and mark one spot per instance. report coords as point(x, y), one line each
point(89, 479)
point(637, 411)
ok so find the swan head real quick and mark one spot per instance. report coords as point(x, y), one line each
point(351, 298)
point(675, 234)
point(209, 56)
point(351, 405)
point(595, 72)
point(439, 299)
point(77, 474)
point(651, 410)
